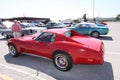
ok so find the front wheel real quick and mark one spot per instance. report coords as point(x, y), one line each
point(62, 61)
point(95, 34)
point(13, 50)
point(5, 35)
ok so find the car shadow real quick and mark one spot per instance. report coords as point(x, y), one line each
point(107, 38)
point(78, 72)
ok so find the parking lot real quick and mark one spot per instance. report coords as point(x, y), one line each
point(28, 67)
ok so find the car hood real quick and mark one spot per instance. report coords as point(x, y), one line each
point(27, 38)
point(88, 42)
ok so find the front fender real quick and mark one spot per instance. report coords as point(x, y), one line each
point(15, 43)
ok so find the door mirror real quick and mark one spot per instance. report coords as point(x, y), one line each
point(33, 38)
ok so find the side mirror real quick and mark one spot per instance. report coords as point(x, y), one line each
point(33, 38)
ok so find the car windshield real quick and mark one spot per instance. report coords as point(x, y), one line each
point(37, 35)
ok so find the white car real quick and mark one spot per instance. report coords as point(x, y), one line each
point(51, 25)
point(27, 29)
point(38, 23)
point(2, 26)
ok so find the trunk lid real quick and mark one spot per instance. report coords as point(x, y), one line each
point(90, 42)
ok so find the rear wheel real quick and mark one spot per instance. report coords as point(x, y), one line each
point(13, 50)
point(95, 34)
point(62, 61)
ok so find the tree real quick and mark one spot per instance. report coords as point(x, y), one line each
point(94, 19)
point(118, 17)
point(76, 21)
point(85, 18)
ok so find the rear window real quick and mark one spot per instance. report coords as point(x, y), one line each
point(68, 33)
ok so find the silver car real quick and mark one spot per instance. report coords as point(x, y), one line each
point(51, 25)
point(27, 29)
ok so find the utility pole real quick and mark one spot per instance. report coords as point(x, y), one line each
point(93, 9)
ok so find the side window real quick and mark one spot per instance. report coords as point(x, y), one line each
point(48, 24)
point(53, 38)
point(53, 24)
point(84, 25)
point(46, 37)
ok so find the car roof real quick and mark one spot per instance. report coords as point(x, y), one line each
point(57, 31)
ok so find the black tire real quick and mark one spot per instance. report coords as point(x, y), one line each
point(95, 34)
point(22, 35)
point(12, 50)
point(5, 35)
point(62, 61)
point(30, 31)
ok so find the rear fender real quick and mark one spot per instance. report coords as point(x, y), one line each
point(67, 48)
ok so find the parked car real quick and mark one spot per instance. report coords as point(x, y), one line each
point(38, 23)
point(2, 26)
point(65, 47)
point(32, 27)
point(104, 23)
point(98, 24)
point(90, 29)
point(27, 29)
point(101, 24)
point(8, 24)
point(51, 25)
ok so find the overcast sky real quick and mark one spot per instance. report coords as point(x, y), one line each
point(58, 9)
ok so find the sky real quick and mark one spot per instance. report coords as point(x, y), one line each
point(59, 9)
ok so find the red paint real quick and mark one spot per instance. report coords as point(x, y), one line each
point(83, 49)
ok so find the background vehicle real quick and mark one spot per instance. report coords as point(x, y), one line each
point(51, 25)
point(2, 26)
point(38, 23)
point(90, 29)
point(65, 47)
point(27, 29)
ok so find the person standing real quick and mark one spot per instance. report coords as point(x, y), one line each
point(16, 29)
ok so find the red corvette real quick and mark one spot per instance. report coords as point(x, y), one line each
point(65, 47)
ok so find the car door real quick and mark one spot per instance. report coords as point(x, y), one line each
point(83, 28)
point(42, 45)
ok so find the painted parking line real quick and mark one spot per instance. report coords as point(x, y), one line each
point(5, 77)
point(110, 52)
point(42, 77)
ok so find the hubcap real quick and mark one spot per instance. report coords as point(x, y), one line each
point(61, 61)
point(95, 34)
point(5, 36)
point(12, 50)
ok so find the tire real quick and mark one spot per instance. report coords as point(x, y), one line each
point(95, 34)
point(5, 35)
point(62, 61)
point(12, 50)
point(22, 35)
point(30, 31)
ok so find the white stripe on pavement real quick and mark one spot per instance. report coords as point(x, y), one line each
point(110, 52)
point(27, 73)
point(5, 77)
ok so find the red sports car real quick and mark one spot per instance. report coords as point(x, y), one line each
point(65, 47)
